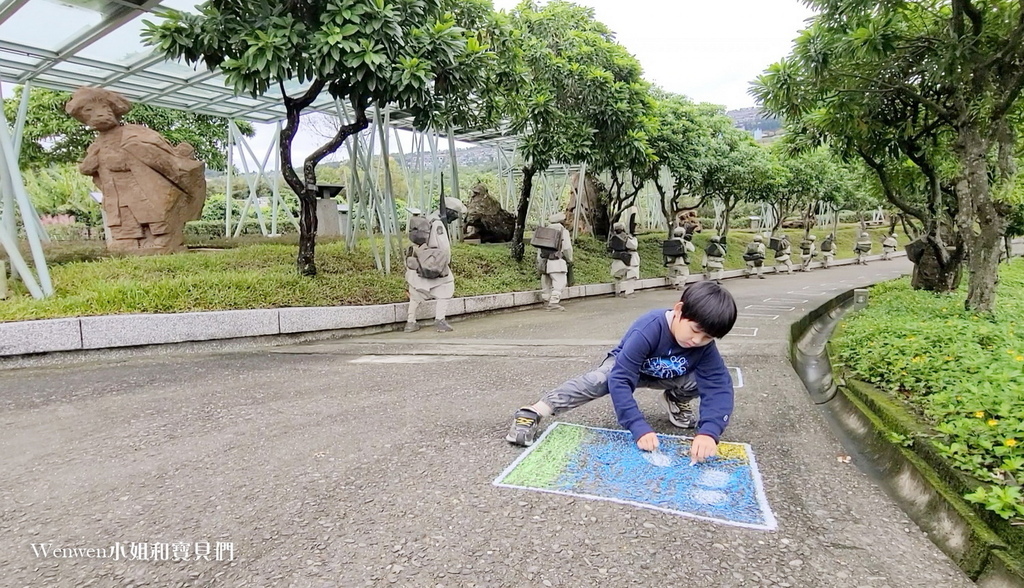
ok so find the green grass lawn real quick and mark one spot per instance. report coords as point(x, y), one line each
point(963, 375)
point(260, 273)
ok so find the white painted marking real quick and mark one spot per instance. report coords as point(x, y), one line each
point(771, 307)
point(737, 380)
point(806, 293)
point(755, 315)
point(405, 358)
point(785, 300)
point(752, 333)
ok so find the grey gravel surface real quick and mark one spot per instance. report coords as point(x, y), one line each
point(369, 461)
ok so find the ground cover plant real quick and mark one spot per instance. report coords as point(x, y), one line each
point(963, 373)
point(256, 272)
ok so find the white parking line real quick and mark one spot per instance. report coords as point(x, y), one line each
point(785, 300)
point(746, 331)
point(737, 380)
point(769, 307)
point(756, 315)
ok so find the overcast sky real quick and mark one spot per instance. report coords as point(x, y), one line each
point(709, 50)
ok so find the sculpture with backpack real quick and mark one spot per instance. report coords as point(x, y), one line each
point(428, 271)
point(432, 261)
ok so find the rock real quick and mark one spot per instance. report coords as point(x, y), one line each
point(486, 220)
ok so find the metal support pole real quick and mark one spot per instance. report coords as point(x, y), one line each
point(13, 184)
point(391, 231)
point(580, 195)
point(227, 188)
point(253, 182)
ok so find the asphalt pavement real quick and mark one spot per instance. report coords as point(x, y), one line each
point(368, 462)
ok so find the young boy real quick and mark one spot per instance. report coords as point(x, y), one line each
point(672, 350)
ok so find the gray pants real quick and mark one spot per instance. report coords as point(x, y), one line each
point(594, 384)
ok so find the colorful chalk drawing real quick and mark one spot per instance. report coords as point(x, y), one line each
point(605, 464)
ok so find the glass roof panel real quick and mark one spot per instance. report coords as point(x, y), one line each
point(20, 58)
point(41, 34)
point(122, 46)
point(74, 68)
point(175, 69)
point(48, 24)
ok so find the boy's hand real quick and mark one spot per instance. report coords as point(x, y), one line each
point(703, 447)
point(649, 442)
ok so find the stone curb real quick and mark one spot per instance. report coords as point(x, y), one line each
point(867, 419)
point(133, 330)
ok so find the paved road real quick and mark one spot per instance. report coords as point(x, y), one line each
point(361, 462)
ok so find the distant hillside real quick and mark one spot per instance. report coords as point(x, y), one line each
point(752, 118)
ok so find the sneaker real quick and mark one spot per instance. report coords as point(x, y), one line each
point(443, 326)
point(679, 413)
point(411, 327)
point(558, 307)
point(761, 276)
point(524, 428)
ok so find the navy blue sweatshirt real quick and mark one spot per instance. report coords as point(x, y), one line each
point(649, 337)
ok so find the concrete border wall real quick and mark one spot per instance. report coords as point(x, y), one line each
point(24, 338)
point(927, 488)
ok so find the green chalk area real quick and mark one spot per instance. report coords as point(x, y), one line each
point(542, 466)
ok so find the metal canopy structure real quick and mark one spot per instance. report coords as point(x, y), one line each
point(66, 44)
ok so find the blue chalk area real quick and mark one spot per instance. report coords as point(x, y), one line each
point(607, 464)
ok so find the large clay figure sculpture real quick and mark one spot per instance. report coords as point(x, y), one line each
point(150, 188)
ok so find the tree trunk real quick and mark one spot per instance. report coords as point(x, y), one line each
point(670, 217)
point(518, 247)
point(977, 209)
point(306, 260)
point(934, 271)
point(725, 219)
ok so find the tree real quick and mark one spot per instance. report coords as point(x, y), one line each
point(812, 177)
point(953, 66)
point(578, 97)
point(902, 146)
point(52, 137)
point(62, 189)
point(424, 56)
point(681, 141)
point(739, 170)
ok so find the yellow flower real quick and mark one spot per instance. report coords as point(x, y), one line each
point(992, 422)
point(949, 358)
point(1010, 443)
point(910, 337)
point(1019, 358)
point(979, 415)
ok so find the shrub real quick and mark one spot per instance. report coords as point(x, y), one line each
point(963, 373)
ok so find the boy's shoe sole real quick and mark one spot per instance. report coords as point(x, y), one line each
point(524, 428)
point(682, 419)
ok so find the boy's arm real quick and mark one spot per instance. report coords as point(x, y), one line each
point(714, 384)
point(622, 381)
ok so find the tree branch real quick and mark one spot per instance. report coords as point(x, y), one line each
point(890, 193)
point(907, 89)
point(359, 122)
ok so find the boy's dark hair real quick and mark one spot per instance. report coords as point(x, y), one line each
point(710, 306)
